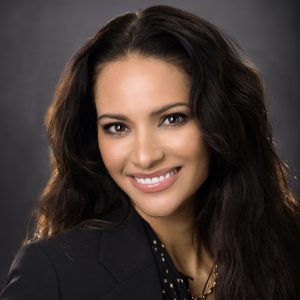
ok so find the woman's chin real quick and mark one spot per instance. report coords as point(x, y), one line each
point(157, 211)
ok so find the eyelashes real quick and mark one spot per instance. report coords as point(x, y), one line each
point(175, 119)
point(169, 121)
point(115, 128)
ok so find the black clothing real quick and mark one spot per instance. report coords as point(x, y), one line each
point(86, 264)
point(174, 284)
point(83, 263)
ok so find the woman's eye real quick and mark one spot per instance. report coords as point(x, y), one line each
point(174, 119)
point(115, 128)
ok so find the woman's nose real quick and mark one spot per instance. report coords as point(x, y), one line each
point(147, 151)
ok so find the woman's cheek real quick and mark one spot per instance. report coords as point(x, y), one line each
point(186, 141)
point(113, 154)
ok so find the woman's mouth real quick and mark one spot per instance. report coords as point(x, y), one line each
point(156, 183)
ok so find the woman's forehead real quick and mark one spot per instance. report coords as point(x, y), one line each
point(138, 81)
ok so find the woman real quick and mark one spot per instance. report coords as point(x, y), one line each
point(165, 183)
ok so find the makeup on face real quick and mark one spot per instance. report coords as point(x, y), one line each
point(157, 181)
point(151, 146)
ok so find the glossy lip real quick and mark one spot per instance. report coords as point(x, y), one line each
point(156, 187)
point(154, 174)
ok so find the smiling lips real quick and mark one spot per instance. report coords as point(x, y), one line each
point(155, 182)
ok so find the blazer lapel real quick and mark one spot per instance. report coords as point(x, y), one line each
point(127, 254)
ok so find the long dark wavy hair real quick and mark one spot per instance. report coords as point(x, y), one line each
point(247, 217)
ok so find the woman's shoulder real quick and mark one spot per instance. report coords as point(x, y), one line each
point(56, 267)
point(78, 242)
point(68, 246)
point(31, 273)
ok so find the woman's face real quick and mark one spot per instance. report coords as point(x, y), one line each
point(149, 143)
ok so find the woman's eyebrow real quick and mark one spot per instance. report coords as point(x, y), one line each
point(152, 114)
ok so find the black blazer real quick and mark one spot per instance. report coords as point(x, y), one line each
point(87, 264)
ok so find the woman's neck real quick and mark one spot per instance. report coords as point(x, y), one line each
point(178, 233)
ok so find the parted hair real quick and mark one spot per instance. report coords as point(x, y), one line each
point(247, 217)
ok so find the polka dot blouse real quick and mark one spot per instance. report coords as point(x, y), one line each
point(175, 285)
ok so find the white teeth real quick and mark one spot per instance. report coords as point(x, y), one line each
point(148, 180)
point(155, 179)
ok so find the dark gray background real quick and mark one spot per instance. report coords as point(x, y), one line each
point(37, 37)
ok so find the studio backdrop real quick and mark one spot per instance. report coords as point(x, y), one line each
point(38, 37)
